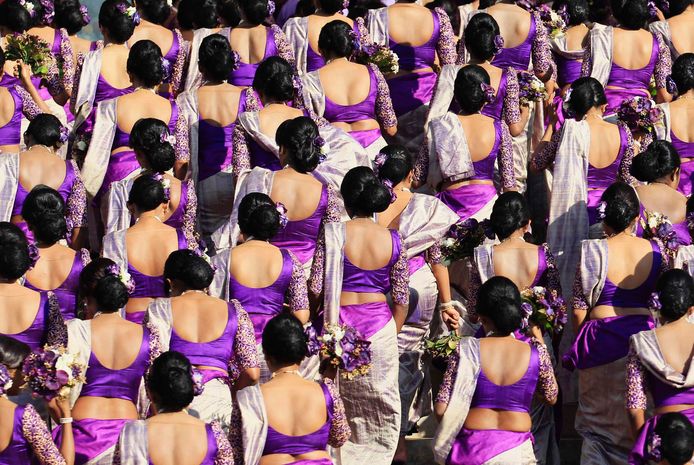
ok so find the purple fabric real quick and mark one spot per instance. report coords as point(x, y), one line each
point(322, 461)
point(152, 286)
point(215, 148)
point(172, 55)
point(484, 168)
point(634, 78)
point(518, 57)
point(135, 317)
point(216, 353)
point(410, 91)
point(117, 384)
point(686, 173)
point(496, 108)
point(421, 56)
point(568, 70)
point(366, 109)
point(10, 132)
point(92, 437)
point(639, 453)
point(67, 291)
point(35, 335)
point(599, 179)
point(468, 199)
point(105, 91)
point(18, 451)
point(176, 218)
point(603, 341)
point(263, 303)
point(666, 395)
point(357, 279)
point(244, 74)
point(614, 296)
point(261, 157)
point(120, 165)
point(475, 447)
point(592, 202)
point(615, 97)
point(209, 375)
point(416, 263)
point(300, 236)
point(122, 138)
point(682, 232)
point(368, 318)
point(65, 189)
point(278, 443)
point(367, 137)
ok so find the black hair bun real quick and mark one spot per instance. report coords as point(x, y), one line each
point(147, 193)
point(44, 212)
point(46, 129)
point(170, 382)
point(258, 216)
point(145, 63)
point(468, 88)
point(274, 80)
point(216, 58)
point(336, 39)
point(147, 138)
point(683, 73)
point(363, 192)
point(676, 294)
point(70, 15)
point(190, 268)
point(115, 21)
point(255, 11)
point(510, 213)
point(660, 159)
point(298, 137)
point(398, 164)
point(154, 11)
point(586, 93)
point(621, 206)
point(284, 340)
point(14, 252)
point(480, 34)
point(500, 301)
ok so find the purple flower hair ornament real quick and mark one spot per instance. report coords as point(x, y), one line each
point(29, 6)
point(33, 254)
point(653, 448)
point(236, 58)
point(312, 342)
point(345, 4)
point(166, 136)
point(48, 11)
point(498, 44)
point(566, 104)
point(282, 210)
point(389, 185)
point(489, 92)
point(166, 68)
point(123, 276)
point(64, 135)
point(379, 161)
point(652, 9)
point(670, 85)
point(322, 147)
point(654, 302)
point(602, 208)
point(527, 310)
point(563, 12)
point(270, 7)
point(165, 183)
point(198, 378)
point(84, 11)
point(200, 252)
point(5, 380)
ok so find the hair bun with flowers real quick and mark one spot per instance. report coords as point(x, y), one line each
point(282, 210)
point(29, 6)
point(379, 161)
point(653, 447)
point(33, 254)
point(322, 147)
point(123, 275)
point(489, 92)
point(671, 85)
point(130, 12)
point(64, 135)
point(602, 209)
point(498, 44)
point(5, 380)
point(165, 183)
point(84, 11)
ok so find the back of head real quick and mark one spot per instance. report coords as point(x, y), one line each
point(101, 280)
point(170, 382)
point(196, 14)
point(397, 165)
point(255, 11)
point(258, 216)
point(274, 80)
point(586, 93)
point(147, 193)
point(660, 159)
point(683, 73)
point(154, 11)
point(215, 58)
point(331, 6)
point(148, 138)
point(46, 129)
point(284, 340)
point(578, 12)
point(468, 89)
point(676, 438)
point(145, 63)
point(12, 352)
point(44, 212)
point(510, 213)
point(631, 14)
point(677, 7)
point(499, 300)
point(115, 19)
point(363, 192)
point(229, 12)
point(298, 137)
point(189, 268)
point(621, 206)
point(676, 294)
point(71, 15)
point(480, 34)
point(14, 252)
point(336, 39)
point(15, 17)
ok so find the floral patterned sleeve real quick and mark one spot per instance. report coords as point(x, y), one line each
point(420, 170)
point(297, 294)
point(433, 254)
point(508, 176)
point(245, 353)
point(179, 64)
point(636, 382)
point(587, 64)
point(552, 277)
point(663, 64)
point(77, 201)
point(85, 257)
point(339, 428)
point(444, 395)
point(225, 455)
point(236, 433)
point(541, 50)
point(284, 48)
point(628, 158)
point(68, 62)
point(155, 345)
point(545, 158)
point(579, 300)
point(76, 81)
point(400, 276)
point(363, 33)
point(29, 107)
point(242, 158)
point(511, 110)
point(39, 438)
point(445, 46)
point(182, 147)
point(547, 383)
point(190, 213)
point(384, 105)
point(57, 331)
point(315, 281)
point(332, 213)
point(474, 284)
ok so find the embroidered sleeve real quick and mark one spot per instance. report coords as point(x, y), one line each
point(384, 105)
point(182, 148)
point(242, 159)
point(85, 257)
point(297, 294)
point(445, 46)
point(444, 395)
point(284, 48)
point(420, 171)
point(511, 110)
point(245, 354)
point(625, 164)
point(315, 282)
point(76, 81)
point(77, 202)
point(636, 382)
point(364, 37)
point(663, 65)
point(473, 289)
point(400, 277)
point(547, 383)
point(29, 107)
point(116, 455)
point(434, 256)
point(332, 213)
point(179, 64)
point(190, 212)
point(54, 83)
point(66, 57)
point(545, 158)
point(587, 64)
point(236, 433)
point(225, 455)
point(57, 331)
point(552, 275)
point(155, 345)
point(579, 300)
point(39, 438)
point(339, 428)
point(508, 176)
point(252, 100)
point(541, 50)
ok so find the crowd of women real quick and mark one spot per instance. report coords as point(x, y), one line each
point(185, 202)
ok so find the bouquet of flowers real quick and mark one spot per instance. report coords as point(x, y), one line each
point(463, 237)
point(344, 347)
point(552, 20)
point(52, 372)
point(530, 88)
point(442, 346)
point(384, 58)
point(640, 113)
point(31, 50)
point(658, 226)
point(544, 308)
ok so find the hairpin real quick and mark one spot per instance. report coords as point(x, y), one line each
point(282, 210)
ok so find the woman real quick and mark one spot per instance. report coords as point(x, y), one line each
point(150, 141)
point(659, 167)
point(58, 267)
point(460, 170)
point(672, 128)
point(484, 401)
point(356, 264)
point(72, 16)
point(311, 413)
point(353, 97)
point(172, 434)
point(303, 33)
point(259, 275)
point(153, 14)
point(216, 336)
point(658, 362)
point(624, 58)
point(674, 30)
point(676, 435)
point(614, 280)
point(193, 16)
point(422, 220)
point(588, 155)
point(143, 248)
point(118, 353)
point(29, 439)
point(40, 165)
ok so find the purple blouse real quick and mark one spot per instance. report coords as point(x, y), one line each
point(506, 105)
point(10, 133)
point(31, 442)
point(535, 46)
point(276, 44)
point(640, 381)
point(568, 70)
point(48, 326)
point(152, 286)
point(424, 56)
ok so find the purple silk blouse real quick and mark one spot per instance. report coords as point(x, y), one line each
point(48, 320)
point(686, 151)
point(421, 56)
point(10, 133)
point(243, 75)
point(152, 286)
point(31, 442)
point(568, 70)
point(518, 57)
point(366, 109)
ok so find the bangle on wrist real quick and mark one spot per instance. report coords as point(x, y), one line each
point(65, 421)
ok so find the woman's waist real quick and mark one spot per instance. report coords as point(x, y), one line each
point(451, 186)
point(372, 296)
point(319, 457)
point(673, 408)
point(494, 419)
point(367, 123)
point(603, 312)
point(104, 408)
point(412, 69)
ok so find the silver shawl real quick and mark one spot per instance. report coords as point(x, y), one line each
point(115, 249)
point(250, 122)
point(79, 343)
point(646, 346)
point(314, 97)
point(188, 109)
point(423, 222)
point(296, 30)
point(220, 283)
point(449, 154)
point(89, 80)
point(99, 152)
point(600, 39)
point(256, 180)
point(9, 179)
point(159, 316)
point(484, 259)
point(443, 96)
point(118, 215)
point(663, 28)
point(193, 76)
point(664, 125)
point(335, 235)
point(593, 269)
point(255, 423)
point(132, 443)
point(377, 24)
point(685, 259)
point(559, 47)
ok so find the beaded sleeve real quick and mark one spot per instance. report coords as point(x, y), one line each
point(541, 50)
point(29, 107)
point(384, 105)
point(236, 432)
point(77, 201)
point(332, 212)
point(444, 395)
point(315, 281)
point(57, 331)
point(433, 254)
point(155, 345)
point(445, 45)
point(39, 438)
point(85, 257)
point(363, 33)
point(245, 353)
point(636, 382)
point(587, 63)
point(242, 159)
point(76, 80)
point(579, 300)
point(508, 176)
point(474, 284)
point(68, 62)
point(546, 383)
point(339, 427)
point(284, 48)
point(511, 109)
point(225, 455)
point(545, 158)
point(190, 212)
point(182, 147)
point(420, 171)
point(297, 294)
point(552, 277)
point(663, 64)
point(625, 164)
point(400, 276)
point(179, 64)
point(252, 100)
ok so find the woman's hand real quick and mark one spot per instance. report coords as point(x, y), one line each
point(59, 408)
point(23, 72)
